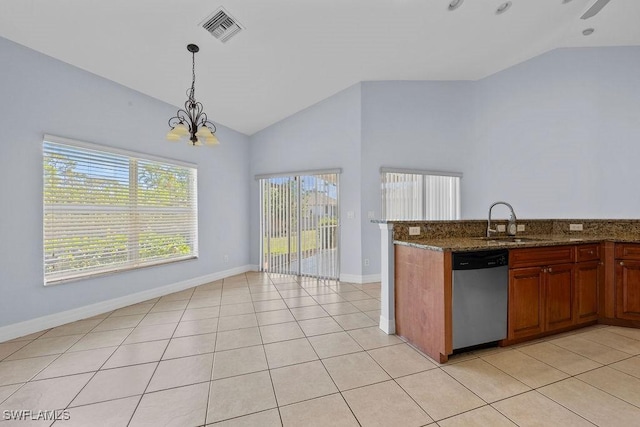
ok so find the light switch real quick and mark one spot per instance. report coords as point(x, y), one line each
point(575, 227)
point(414, 231)
point(371, 215)
point(350, 215)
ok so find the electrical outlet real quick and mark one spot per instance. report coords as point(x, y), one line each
point(521, 227)
point(225, 258)
point(414, 231)
point(371, 215)
point(350, 215)
point(501, 228)
point(575, 227)
point(366, 262)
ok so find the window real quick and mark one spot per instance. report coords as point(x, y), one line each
point(420, 195)
point(108, 210)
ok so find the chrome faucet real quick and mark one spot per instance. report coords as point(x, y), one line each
point(511, 228)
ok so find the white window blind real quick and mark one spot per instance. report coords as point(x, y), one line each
point(109, 211)
point(416, 195)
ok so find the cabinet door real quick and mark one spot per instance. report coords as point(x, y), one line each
point(526, 302)
point(587, 284)
point(628, 290)
point(558, 296)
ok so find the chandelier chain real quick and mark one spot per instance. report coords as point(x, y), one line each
point(193, 77)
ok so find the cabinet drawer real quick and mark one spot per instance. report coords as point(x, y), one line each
point(533, 257)
point(628, 251)
point(587, 253)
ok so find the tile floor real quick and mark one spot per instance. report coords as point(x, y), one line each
point(258, 350)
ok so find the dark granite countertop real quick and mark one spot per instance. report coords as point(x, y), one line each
point(465, 244)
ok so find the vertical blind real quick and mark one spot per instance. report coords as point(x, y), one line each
point(299, 224)
point(415, 195)
point(107, 211)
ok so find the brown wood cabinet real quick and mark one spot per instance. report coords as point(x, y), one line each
point(540, 300)
point(628, 251)
point(423, 299)
point(627, 281)
point(559, 298)
point(588, 283)
point(541, 290)
point(541, 256)
point(553, 288)
point(526, 302)
point(588, 279)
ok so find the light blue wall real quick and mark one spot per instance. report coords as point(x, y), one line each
point(41, 95)
point(324, 136)
point(369, 125)
point(408, 124)
point(558, 136)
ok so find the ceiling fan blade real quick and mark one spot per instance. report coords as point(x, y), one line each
point(595, 9)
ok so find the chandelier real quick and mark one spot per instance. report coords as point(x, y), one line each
point(192, 121)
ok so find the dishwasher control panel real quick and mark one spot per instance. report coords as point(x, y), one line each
point(480, 259)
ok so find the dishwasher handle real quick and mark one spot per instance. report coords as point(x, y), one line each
point(480, 260)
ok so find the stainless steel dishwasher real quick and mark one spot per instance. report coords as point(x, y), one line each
point(480, 296)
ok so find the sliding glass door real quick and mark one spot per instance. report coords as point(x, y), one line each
point(299, 224)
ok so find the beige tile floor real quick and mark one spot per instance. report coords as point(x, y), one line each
point(259, 350)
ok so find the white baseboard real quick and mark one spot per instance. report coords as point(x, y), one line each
point(371, 278)
point(52, 320)
point(388, 325)
point(356, 278)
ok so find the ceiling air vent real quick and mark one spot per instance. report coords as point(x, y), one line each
point(222, 25)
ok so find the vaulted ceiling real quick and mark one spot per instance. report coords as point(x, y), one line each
point(294, 53)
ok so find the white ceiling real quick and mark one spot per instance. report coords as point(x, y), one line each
point(295, 53)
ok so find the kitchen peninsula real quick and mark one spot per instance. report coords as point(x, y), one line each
point(562, 275)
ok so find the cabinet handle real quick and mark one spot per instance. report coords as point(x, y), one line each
point(621, 262)
point(590, 252)
point(550, 270)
